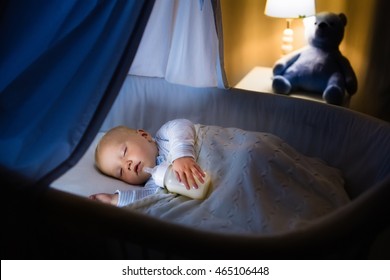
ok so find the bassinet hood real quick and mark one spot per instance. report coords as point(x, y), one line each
point(62, 65)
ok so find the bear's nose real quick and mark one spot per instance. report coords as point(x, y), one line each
point(322, 25)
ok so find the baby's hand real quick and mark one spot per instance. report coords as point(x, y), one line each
point(105, 198)
point(186, 169)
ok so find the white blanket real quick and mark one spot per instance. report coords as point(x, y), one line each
point(259, 185)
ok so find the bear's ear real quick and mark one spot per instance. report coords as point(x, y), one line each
point(343, 18)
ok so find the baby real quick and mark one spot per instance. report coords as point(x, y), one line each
point(260, 184)
point(123, 153)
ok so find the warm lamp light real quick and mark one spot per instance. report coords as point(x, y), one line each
point(289, 9)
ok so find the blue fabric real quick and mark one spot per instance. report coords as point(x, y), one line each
point(58, 62)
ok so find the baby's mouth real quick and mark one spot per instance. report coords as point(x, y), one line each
point(137, 168)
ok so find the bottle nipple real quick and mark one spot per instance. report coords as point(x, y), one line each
point(148, 170)
point(158, 173)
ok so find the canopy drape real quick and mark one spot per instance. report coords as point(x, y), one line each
point(62, 64)
point(183, 43)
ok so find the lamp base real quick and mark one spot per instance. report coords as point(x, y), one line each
point(287, 38)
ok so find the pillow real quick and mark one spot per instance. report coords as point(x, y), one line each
point(84, 179)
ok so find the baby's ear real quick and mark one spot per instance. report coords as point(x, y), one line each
point(145, 134)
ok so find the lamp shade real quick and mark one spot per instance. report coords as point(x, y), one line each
point(290, 8)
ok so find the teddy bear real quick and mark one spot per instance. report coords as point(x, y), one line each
point(318, 67)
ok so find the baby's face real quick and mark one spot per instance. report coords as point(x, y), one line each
point(125, 155)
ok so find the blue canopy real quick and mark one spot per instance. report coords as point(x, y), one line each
point(62, 64)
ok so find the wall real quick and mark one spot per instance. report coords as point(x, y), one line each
point(253, 39)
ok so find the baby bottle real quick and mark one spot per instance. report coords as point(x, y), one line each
point(164, 176)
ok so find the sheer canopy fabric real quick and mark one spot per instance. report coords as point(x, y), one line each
point(182, 45)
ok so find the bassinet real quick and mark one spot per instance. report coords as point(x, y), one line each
point(355, 143)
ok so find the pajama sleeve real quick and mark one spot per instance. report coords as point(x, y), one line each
point(176, 139)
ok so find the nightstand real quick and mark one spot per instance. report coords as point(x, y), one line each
point(260, 79)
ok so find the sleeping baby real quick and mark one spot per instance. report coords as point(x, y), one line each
point(259, 182)
point(123, 153)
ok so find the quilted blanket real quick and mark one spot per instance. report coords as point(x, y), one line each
point(260, 185)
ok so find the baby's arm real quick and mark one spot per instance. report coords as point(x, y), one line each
point(105, 198)
point(124, 197)
point(181, 135)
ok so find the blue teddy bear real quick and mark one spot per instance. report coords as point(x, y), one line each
point(318, 67)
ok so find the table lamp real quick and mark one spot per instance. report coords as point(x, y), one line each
point(289, 9)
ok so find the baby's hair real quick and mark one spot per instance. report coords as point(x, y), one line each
point(111, 134)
